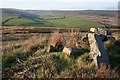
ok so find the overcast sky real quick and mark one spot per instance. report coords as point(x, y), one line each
point(60, 4)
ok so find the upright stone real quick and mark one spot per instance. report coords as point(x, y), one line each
point(97, 50)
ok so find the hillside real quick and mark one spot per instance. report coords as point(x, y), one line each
point(109, 18)
point(55, 18)
point(109, 13)
point(19, 17)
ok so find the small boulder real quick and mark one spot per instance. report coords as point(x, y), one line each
point(101, 31)
point(107, 33)
point(72, 50)
point(67, 50)
point(59, 48)
point(51, 48)
point(93, 30)
point(85, 38)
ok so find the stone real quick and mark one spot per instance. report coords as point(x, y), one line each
point(107, 33)
point(57, 48)
point(103, 37)
point(51, 48)
point(67, 50)
point(93, 30)
point(97, 51)
point(101, 31)
point(85, 38)
point(72, 50)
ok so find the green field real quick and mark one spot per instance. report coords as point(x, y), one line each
point(19, 21)
point(74, 22)
point(8, 17)
point(47, 19)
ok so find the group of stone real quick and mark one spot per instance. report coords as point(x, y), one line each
point(96, 38)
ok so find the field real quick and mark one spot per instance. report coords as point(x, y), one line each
point(75, 22)
point(19, 21)
point(67, 19)
point(27, 36)
point(70, 22)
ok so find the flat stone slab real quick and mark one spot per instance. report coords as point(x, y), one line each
point(72, 50)
point(97, 50)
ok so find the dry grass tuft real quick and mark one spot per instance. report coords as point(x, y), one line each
point(106, 72)
point(33, 42)
point(55, 39)
point(66, 39)
point(71, 40)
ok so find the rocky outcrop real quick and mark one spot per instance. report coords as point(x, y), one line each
point(97, 51)
point(103, 33)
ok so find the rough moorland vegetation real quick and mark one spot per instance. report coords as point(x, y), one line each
point(29, 58)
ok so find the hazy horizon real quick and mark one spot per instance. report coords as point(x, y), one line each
point(61, 5)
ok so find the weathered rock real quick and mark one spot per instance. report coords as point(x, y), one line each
point(107, 33)
point(84, 38)
point(101, 31)
point(51, 48)
point(104, 34)
point(57, 48)
point(103, 37)
point(67, 50)
point(93, 30)
point(72, 50)
point(97, 50)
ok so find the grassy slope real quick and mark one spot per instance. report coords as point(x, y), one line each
point(19, 21)
point(8, 16)
point(18, 17)
point(73, 19)
point(30, 20)
point(75, 22)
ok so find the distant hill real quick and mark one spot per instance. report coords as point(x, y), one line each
point(59, 18)
point(12, 16)
point(111, 13)
point(18, 12)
